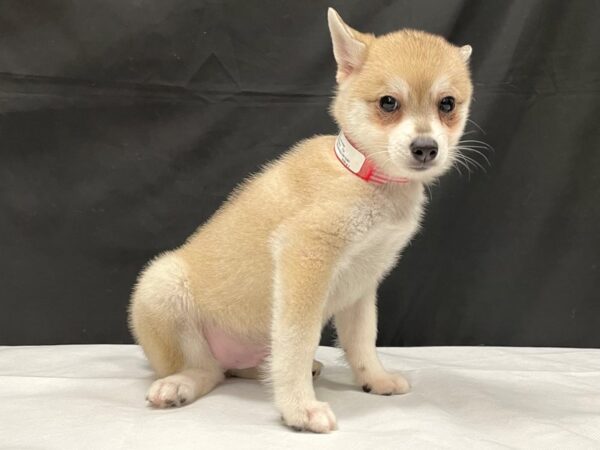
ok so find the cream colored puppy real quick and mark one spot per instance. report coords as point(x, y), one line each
point(311, 236)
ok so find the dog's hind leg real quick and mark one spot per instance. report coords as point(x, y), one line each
point(164, 319)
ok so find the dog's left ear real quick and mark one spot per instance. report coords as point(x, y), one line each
point(349, 46)
point(465, 52)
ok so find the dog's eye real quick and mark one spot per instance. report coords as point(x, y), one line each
point(447, 104)
point(388, 103)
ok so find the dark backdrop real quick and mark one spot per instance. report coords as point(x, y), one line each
point(125, 123)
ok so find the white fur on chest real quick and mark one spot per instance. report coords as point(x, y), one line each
point(370, 257)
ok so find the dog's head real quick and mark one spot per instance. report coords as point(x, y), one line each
point(402, 98)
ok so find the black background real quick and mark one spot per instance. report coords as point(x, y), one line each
point(125, 123)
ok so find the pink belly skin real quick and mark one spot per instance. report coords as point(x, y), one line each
point(232, 353)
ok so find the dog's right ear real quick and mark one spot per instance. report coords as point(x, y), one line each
point(349, 49)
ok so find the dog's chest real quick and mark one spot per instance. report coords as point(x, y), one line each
point(367, 260)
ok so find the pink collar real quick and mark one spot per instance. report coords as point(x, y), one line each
point(360, 165)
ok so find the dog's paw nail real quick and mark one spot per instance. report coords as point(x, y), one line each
point(387, 393)
point(295, 428)
point(314, 372)
point(366, 388)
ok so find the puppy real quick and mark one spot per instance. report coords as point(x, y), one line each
point(311, 236)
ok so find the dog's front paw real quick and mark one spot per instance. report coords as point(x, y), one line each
point(313, 416)
point(386, 384)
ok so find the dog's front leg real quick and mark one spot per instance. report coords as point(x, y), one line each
point(357, 333)
point(303, 267)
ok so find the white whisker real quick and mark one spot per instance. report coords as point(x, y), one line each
point(477, 125)
point(468, 160)
point(474, 150)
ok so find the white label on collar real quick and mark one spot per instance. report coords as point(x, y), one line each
point(350, 157)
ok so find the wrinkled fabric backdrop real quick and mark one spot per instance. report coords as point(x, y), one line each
point(125, 123)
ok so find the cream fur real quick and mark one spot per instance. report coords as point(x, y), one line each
point(304, 240)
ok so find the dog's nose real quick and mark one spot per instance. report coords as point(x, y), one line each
point(424, 149)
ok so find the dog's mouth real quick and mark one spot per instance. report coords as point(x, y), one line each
point(423, 167)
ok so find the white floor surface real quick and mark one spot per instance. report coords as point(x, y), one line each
point(92, 397)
